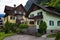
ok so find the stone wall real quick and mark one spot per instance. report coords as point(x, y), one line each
point(30, 30)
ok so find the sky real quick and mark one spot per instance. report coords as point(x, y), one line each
point(10, 3)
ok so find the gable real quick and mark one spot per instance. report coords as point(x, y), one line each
point(20, 8)
point(33, 7)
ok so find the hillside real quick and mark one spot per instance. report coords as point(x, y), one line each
point(55, 4)
point(29, 3)
point(51, 3)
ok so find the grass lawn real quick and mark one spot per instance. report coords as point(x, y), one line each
point(51, 35)
point(3, 35)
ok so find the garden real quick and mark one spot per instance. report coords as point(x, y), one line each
point(3, 35)
point(11, 28)
point(56, 36)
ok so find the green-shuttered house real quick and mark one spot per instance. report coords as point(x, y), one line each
point(48, 14)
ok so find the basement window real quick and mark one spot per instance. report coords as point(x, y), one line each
point(51, 30)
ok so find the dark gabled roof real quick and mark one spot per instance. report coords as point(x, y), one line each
point(32, 9)
point(30, 2)
point(50, 10)
point(20, 7)
point(10, 10)
point(28, 5)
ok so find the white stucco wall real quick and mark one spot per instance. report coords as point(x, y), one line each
point(47, 17)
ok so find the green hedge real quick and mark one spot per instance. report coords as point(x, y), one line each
point(58, 36)
point(51, 35)
point(10, 27)
point(22, 26)
point(43, 27)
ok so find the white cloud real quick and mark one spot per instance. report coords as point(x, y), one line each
point(10, 3)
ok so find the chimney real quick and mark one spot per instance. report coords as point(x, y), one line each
point(14, 5)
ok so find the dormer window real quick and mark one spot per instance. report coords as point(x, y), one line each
point(15, 11)
point(39, 13)
point(32, 15)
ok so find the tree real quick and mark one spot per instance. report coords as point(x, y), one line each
point(55, 4)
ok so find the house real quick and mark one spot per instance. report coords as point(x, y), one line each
point(1, 20)
point(38, 13)
point(15, 14)
point(31, 9)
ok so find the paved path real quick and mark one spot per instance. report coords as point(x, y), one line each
point(26, 37)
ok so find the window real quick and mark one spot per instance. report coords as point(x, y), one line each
point(40, 13)
point(38, 22)
point(1, 23)
point(51, 30)
point(19, 17)
point(58, 23)
point(51, 23)
point(31, 22)
point(15, 11)
point(0, 18)
point(19, 12)
point(12, 17)
point(32, 15)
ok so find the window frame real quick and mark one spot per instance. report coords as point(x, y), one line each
point(31, 22)
point(20, 12)
point(58, 23)
point(39, 13)
point(12, 17)
point(15, 12)
point(38, 22)
point(32, 15)
point(51, 23)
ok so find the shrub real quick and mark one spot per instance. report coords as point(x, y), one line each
point(17, 30)
point(51, 35)
point(58, 36)
point(22, 26)
point(9, 27)
point(39, 35)
point(42, 27)
point(6, 29)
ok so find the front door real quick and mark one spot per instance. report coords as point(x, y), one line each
point(18, 19)
point(37, 24)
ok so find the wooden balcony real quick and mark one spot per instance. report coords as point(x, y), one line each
point(36, 17)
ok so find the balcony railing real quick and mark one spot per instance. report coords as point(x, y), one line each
point(36, 17)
